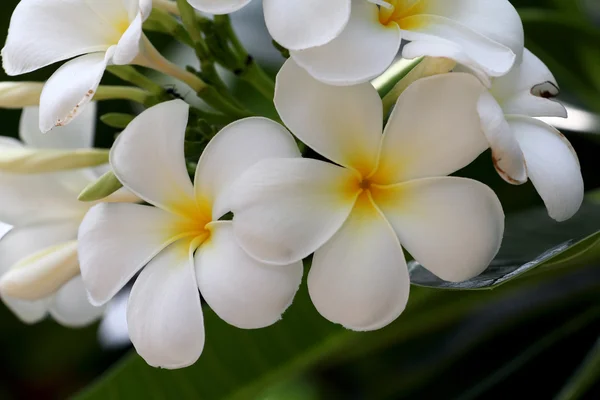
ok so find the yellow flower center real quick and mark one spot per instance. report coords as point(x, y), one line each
point(402, 12)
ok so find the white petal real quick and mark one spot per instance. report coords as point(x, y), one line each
point(42, 273)
point(30, 312)
point(43, 32)
point(301, 24)
point(528, 89)
point(232, 151)
point(70, 306)
point(343, 124)
point(434, 129)
point(129, 44)
point(148, 157)
point(285, 209)
point(452, 226)
point(359, 278)
point(506, 153)
point(486, 35)
point(77, 135)
point(363, 50)
point(22, 242)
point(552, 166)
point(70, 89)
point(218, 7)
point(28, 199)
point(164, 315)
point(116, 240)
point(113, 332)
point(242, 291)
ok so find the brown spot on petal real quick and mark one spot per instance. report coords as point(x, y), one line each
point(547, 90)
point(503, 173)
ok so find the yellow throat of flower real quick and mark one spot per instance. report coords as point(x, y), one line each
point(402, 12)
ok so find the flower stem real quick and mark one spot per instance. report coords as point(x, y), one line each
point(166, 5)
point(246, 67)
point(151, 58)
point(121, 92)
point(129, 74)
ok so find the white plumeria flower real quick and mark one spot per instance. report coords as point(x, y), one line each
point(485, 35)
point(38, 257)
point(524, 147)
point(295, 24)
point(97, 33)
point(386, 190)
point(164, 314)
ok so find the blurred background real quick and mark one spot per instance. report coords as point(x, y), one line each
point(535, 337)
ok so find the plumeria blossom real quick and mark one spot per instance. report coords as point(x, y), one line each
point(180, 243)
point(487, 36)
point(384, 192)
point(524, 147)
point(96, 33)
point(295, 24)
point(38, 257)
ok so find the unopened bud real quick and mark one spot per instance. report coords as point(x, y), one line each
point(24, 160)
point(41, 274)
point(20, 94)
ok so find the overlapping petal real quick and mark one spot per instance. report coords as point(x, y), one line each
point(71, 88)
point(116, 240)
point(552, 166)
point(285, 209)
point(148, 157)
point(343, 124)
point(30, 312)
point(482, 35)
point(301, 24)
point(362, 51)
point(359, 278)
point(242, 291)
point(43, 32)
point(234, 149)
point(164, 315)
point(70, 305)
point(218, 7)
point(434, 129)
point(506, 153)
point(528, 89)
point(452, 226)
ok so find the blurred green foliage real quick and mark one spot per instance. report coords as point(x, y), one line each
point(531, 338)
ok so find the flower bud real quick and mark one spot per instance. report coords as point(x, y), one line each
point(41, 274)
point(20, 94)
point(23, 160)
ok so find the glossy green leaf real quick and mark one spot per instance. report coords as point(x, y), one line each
point(240, 364)
point(532, 242)
point(584, 377)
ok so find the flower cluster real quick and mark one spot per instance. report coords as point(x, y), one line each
point(335, 176)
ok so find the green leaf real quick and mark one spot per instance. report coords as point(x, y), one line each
point(106, 185)
point(240, 364)
point(117, 120)
point(584, 377)
point(532, 241)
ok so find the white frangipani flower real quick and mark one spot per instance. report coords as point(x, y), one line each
point(38, 257)
point(295, 24)
point(164, 315)
point(485, 35)
point(385, 191)
point(96, 33)
point(524, 147)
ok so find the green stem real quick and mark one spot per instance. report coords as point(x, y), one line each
point(213, 98)
point(129, 74)
point(166, 5)
point(189, 18)
point(121, 92)
point(258, 78)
